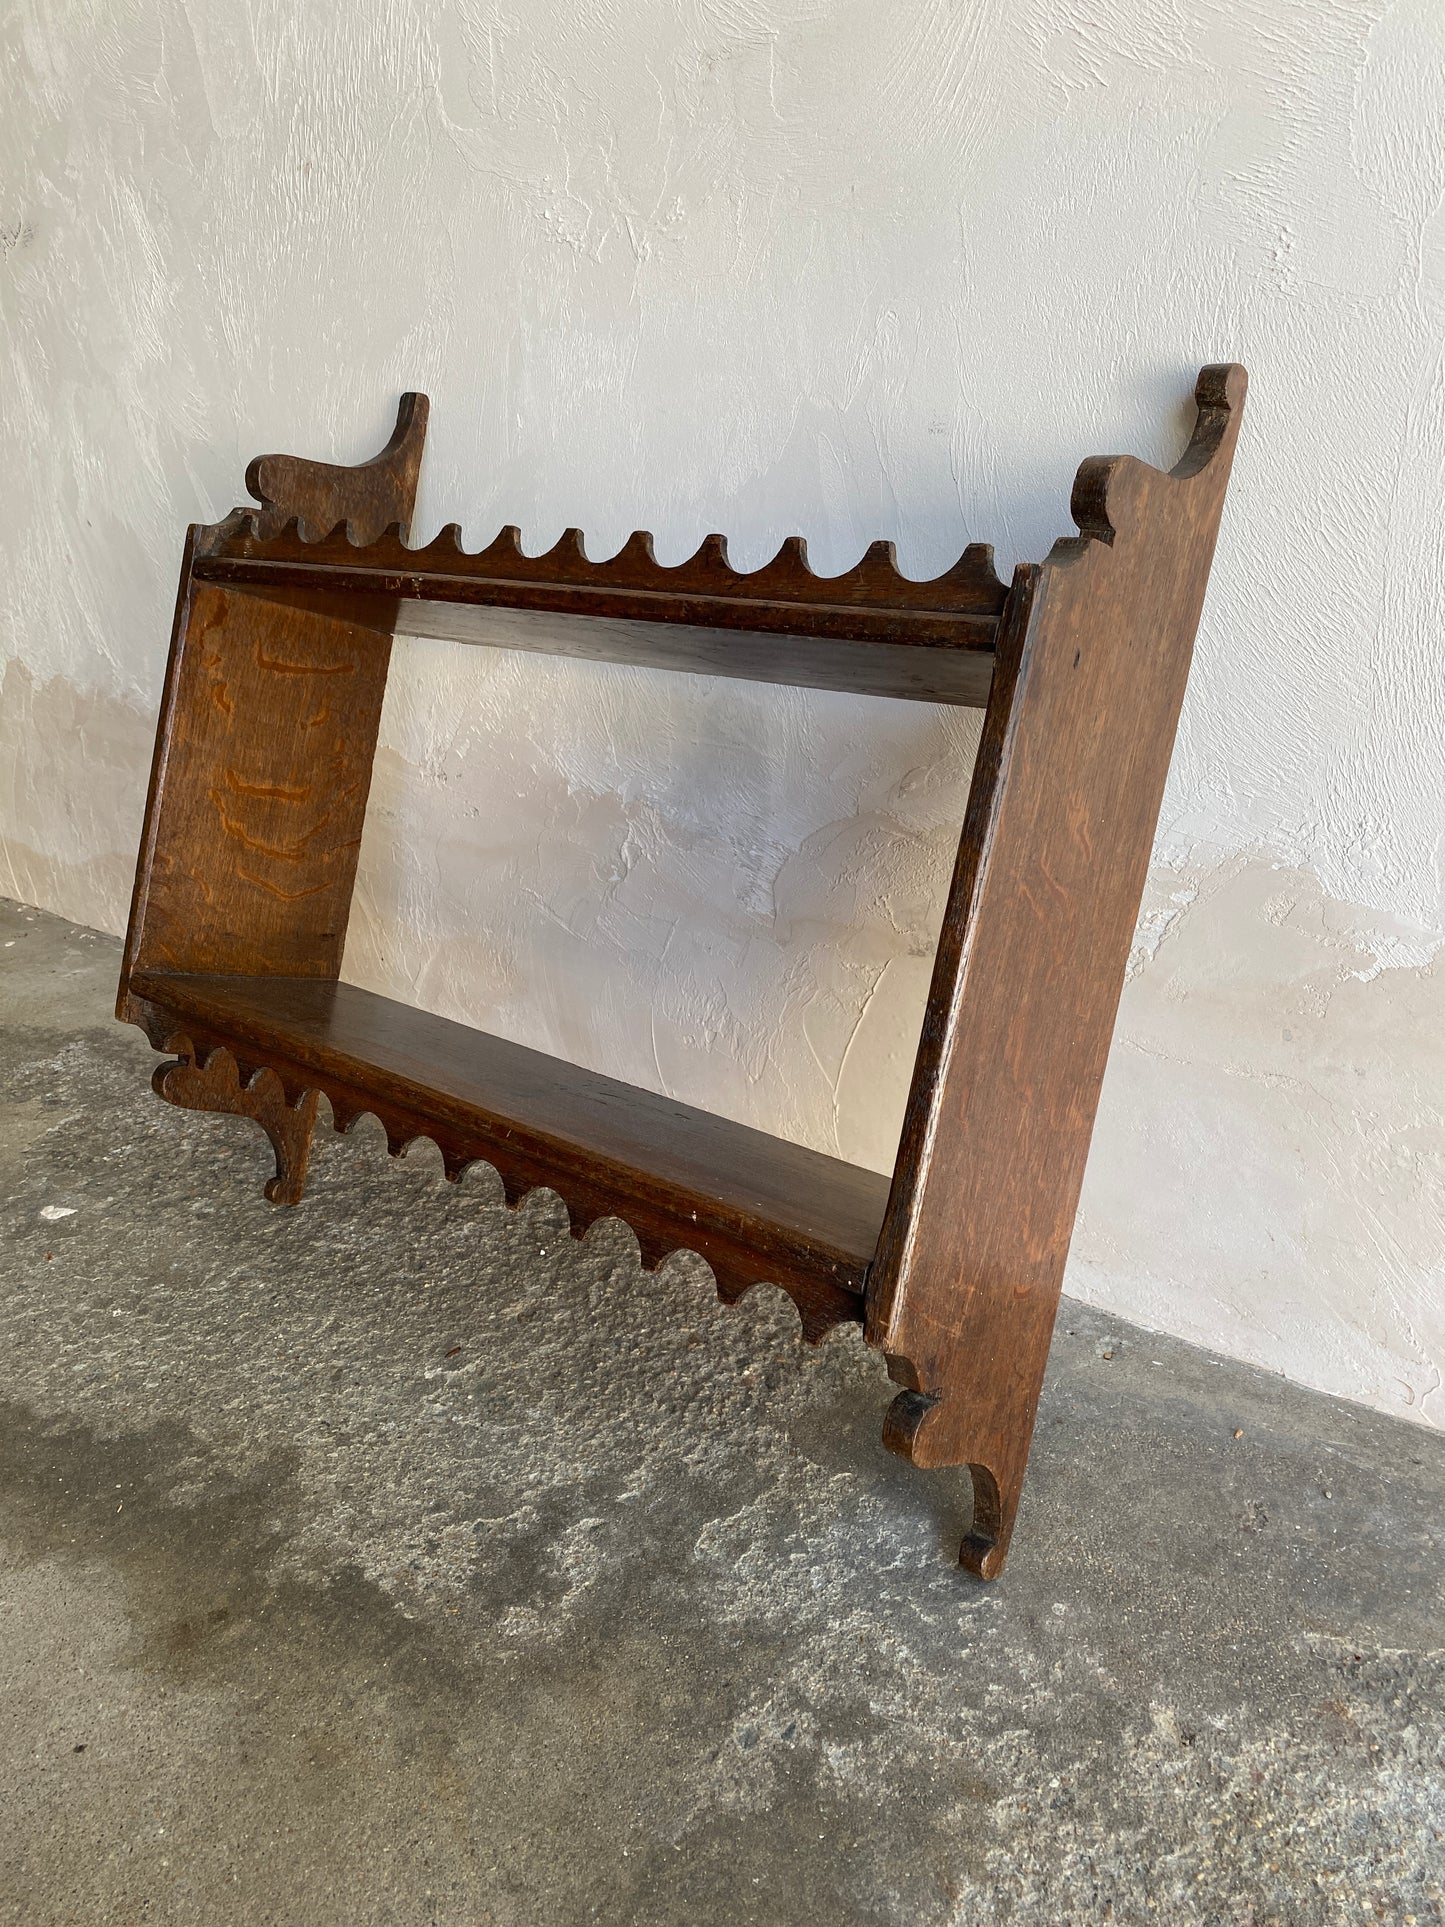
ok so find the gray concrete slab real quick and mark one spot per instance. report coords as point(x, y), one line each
point(399, 1559)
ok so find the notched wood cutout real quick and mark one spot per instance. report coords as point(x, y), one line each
point(218, 1083)
point(211, 1079)
point(321, 496)
point(870, 629)
point(820, 1304)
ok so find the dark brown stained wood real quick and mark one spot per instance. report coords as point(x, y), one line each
point(756, 1207)
point(216, 1084)
point(958, 676)
point(503, 571)
point(265, 741)
point(268, 733)
point(1093, 658)
point(870, 630)
point(284, 623)
point(368, 497)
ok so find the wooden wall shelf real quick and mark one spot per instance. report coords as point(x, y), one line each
point(284, 624)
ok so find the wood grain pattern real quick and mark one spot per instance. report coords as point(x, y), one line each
point(265, 741)
point(269, 730)
point(1093, 659)
point(869, 630)
point(284, 623)
point(756, 1207)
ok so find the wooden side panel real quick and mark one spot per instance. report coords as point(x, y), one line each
point(263, 764)
point(1093, 659)
point(266, 738)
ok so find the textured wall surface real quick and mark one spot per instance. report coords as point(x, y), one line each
point(777, 265)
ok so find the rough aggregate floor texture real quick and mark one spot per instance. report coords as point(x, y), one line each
point(398, 1559)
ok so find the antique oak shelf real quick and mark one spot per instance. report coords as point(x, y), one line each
point(268, 727)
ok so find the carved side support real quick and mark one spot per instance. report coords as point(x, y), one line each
point(217, 1083)
point(1093, 657)
point(264, 747)
point(320, 495)
point(259, 782)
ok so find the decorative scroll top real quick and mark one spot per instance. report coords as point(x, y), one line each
point(320, 495)
point(1108, 488)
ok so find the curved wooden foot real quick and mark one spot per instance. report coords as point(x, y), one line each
point(918, 1427)
point(217, 1085)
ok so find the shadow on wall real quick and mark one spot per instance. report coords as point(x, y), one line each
point(73, 771)
point(1267, 1175)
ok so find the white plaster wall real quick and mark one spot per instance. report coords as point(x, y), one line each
point(760, 266)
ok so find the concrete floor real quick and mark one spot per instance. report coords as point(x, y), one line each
point(396, 1559)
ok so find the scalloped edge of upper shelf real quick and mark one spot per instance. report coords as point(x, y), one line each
point(868, 631)
point(971, 587)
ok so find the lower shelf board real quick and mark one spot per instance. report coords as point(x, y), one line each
point(758, 1208)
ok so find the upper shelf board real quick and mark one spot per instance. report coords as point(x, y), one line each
point(869, 630)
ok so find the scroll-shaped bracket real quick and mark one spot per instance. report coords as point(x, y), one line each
point(320, 495)
point(217, 1085)
point(1093, 656)
point(1111, 493)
